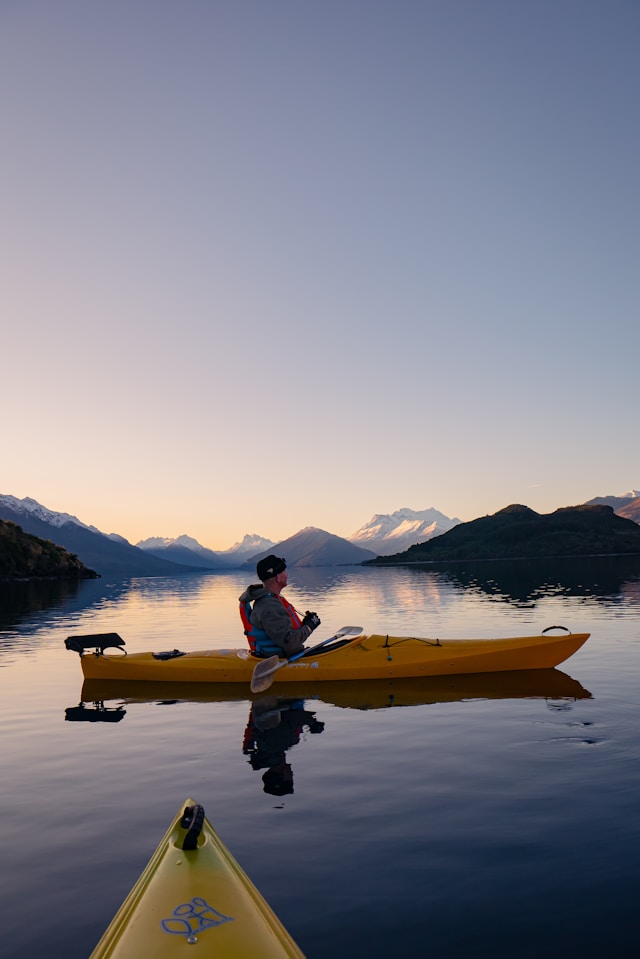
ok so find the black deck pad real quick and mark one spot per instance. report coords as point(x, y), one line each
point(101, 641)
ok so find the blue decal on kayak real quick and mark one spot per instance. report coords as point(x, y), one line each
point(192, 917)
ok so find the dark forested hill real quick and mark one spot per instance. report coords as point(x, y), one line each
point(23, 555)
point(520, 532)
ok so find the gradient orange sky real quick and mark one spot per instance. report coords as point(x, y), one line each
point(276, 265)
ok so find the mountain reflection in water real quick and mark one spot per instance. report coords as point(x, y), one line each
point(521, 583)
point(524, 581)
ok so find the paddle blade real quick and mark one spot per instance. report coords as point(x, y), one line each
point(266, 712)
point(263, 673)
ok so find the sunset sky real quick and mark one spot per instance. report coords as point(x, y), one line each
point(269, 265)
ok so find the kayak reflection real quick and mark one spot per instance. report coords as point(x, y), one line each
point(94, 712)
point(547, 684)
point(273, 727)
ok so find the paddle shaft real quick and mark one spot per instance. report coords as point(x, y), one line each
point(303, 652)
point(263, 673)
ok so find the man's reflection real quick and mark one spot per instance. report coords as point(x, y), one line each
point(274, 725)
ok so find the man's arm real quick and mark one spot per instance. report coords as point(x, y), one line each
point(269, 614)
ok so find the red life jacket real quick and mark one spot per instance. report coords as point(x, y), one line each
point(258, 639)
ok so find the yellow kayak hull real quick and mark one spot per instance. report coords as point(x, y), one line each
point(366, 657)
point(199, 896)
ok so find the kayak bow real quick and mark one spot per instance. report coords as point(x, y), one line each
point(193, 891)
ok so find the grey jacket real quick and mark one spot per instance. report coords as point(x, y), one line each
point(270, 614)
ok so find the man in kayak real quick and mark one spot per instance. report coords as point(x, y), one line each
point(271, 624)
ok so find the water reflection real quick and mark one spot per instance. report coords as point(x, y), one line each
point(23, 598)
point(25, 602)
point(523, 582)
point(95, 712)
point(547, 684)
point(275, 725)
point(397, 591)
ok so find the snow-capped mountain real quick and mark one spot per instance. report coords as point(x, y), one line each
point(388, 533)
point(107, 555)
point(624, 501)
point(626, 505)
point(162, 542)
point(631, 510)
point(315, 547)
point(112, 555)
point(31, 508)
point(249, 545)
point(185, 550)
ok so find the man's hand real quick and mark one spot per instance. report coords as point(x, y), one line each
point(312, 620)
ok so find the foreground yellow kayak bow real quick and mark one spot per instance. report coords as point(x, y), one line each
point(193, 898)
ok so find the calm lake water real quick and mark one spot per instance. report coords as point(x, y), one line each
point(493, 816)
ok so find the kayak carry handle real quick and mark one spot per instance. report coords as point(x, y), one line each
point(97, 641)
point(193, 821)
point(555, 627)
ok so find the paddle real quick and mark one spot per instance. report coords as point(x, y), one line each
point(264, 672)
point(266, 712)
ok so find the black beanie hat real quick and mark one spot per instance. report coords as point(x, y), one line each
point(269, 567)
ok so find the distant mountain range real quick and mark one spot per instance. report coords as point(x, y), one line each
point(383, 534)
point(113, 556)
point(316, 547)
point(108, 556)
point(187, 551)
point(518, 532)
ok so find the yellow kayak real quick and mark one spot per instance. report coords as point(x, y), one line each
point(193, 892)
point(364, 657)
